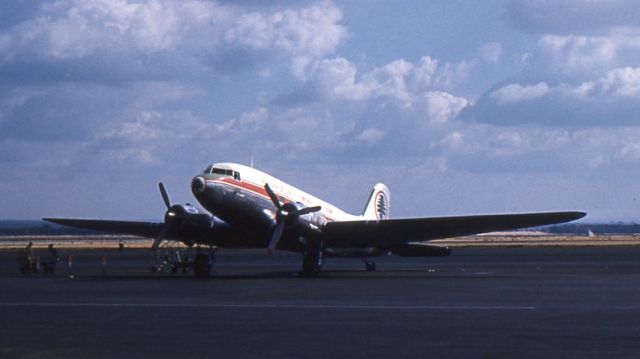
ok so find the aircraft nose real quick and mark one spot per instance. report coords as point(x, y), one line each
point(198, 185)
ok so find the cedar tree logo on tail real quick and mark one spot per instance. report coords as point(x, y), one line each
point(377, 207)
point(381, 206)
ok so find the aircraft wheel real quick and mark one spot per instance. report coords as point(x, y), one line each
point(312, 263)
point(371, 266)
point(202, 266)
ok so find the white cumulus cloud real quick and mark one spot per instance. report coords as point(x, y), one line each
point(622, 82)
point(442, 106)
point(69, 30)
point(579, 52)
point(338, 79)
point(400, 80)
point(314, 30)
point(514, 93)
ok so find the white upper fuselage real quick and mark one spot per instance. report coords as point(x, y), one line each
point(245, 181)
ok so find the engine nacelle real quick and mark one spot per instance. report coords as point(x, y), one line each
point(420, 250)
point(311, 221)
point(187, 214)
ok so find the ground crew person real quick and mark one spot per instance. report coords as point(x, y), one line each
point(53, 259)
point(27, 261)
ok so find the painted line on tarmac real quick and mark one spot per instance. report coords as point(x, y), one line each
point(266, 306)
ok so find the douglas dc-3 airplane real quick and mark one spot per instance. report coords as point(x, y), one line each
point(255, 210)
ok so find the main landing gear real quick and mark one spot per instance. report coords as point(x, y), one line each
point(203, 262)
point(312, 260)
point(369, 265)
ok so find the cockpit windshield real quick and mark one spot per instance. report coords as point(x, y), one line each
point(221, 171)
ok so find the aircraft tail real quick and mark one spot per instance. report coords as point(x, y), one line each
point(379, 203)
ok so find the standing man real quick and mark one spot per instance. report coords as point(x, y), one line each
point(27, 261)
point(53, 259)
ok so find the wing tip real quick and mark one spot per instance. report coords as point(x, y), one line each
point(576, 215)
point(52, 220)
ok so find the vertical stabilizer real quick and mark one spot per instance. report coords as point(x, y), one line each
point(379, 203)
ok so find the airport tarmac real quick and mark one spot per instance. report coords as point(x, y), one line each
point(541, 302)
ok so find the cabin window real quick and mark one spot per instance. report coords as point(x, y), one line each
point(236, 175)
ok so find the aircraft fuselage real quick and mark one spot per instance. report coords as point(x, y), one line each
point(236, 194)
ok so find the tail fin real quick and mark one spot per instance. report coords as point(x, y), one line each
point(379, 203)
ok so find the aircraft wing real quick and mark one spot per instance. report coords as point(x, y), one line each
point(392, 232)
point(142, 229)
point(220, 233)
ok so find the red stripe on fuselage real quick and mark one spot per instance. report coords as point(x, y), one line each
point(251, 187)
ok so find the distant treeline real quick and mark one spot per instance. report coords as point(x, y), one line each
point(596, 228)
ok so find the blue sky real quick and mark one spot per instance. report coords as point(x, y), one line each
point(460, 107)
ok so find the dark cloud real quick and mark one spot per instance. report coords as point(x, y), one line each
point(610, 101)
point(57, 113)
point(233, 60)
point(573, 16)
point(110, 68)
point(14, 12)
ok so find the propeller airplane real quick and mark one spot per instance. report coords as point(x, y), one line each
point(247, 208)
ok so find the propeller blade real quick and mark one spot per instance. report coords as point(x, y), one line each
point(275, 238)
point(160, 237)
point(165, 196)
point(273, 196)
point(307, 210)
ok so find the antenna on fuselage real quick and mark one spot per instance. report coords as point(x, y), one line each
point(251, 159)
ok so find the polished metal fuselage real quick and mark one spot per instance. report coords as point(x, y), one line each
point(245, 207)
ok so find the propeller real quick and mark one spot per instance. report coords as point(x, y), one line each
point(286, 214)
point(167, 218)
point(179, 217)
point(164, 194)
